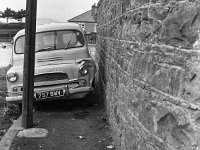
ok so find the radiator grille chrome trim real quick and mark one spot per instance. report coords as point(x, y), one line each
point(50, 77)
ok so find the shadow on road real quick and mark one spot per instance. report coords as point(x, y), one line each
point(60, 105)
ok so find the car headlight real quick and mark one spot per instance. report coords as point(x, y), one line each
point(83, 71)
point(12, 76)
point(85, 67)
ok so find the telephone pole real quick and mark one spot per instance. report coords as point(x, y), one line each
point(29, 64)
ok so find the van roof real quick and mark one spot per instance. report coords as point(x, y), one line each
point(52, 26)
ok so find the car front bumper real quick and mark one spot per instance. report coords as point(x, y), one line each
point(69, 93)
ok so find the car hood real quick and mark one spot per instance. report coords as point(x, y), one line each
point(55, 61)
point(60, 56)
point(54, 57)
point(71, 68)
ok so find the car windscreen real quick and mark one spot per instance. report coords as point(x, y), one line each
point(52, 40)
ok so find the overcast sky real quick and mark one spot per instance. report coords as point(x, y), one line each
point(59, 10)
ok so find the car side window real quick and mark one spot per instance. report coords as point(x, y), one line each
point(80, 39)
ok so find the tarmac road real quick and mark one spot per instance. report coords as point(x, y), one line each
point(71, 126)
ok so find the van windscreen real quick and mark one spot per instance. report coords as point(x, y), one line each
point(52, 40)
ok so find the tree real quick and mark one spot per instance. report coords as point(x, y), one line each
point(8, 14)
point(19, 15)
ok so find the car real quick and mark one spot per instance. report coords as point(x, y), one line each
point(64, 68)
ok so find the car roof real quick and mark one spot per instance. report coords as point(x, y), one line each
point(52, 26)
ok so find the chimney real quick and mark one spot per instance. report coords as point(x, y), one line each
point(94, 10)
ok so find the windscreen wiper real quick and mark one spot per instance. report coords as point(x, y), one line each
point(66, 47)
point(44, 49)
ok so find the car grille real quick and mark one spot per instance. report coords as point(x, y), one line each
point(50, 77)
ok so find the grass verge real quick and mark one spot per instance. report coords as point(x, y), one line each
point(8, 112)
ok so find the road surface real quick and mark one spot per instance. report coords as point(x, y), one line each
point(71, 126)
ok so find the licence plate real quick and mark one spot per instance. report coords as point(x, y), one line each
point(49, 94)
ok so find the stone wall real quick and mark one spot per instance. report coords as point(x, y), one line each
point(148, 55)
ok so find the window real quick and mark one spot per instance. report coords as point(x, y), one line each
point(20, 44)
point(82, 25)
point(53, 40)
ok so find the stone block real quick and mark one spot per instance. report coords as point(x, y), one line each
point(180, 28)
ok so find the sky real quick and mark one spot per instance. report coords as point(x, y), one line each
point(59, 10)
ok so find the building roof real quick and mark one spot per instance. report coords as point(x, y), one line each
point(84, 17)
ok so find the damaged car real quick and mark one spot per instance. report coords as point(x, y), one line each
point(64, 68)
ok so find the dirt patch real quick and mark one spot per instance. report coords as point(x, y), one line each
point(70, 125)
point(8, 112)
